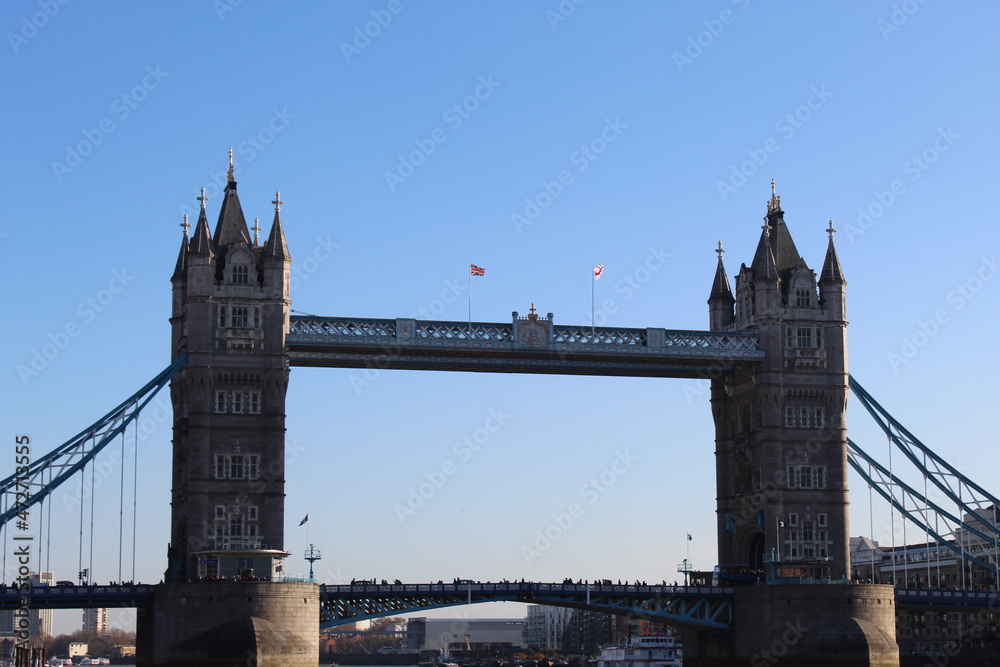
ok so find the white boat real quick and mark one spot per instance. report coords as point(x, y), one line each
point(653, 651)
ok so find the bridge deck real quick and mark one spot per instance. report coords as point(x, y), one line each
point(526, 345)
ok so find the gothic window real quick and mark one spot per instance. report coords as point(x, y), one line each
point(804, 337)
point(801, 298)
point(235, 525)
point(821, 520)
point(790, 417)
point(253, 466)
point(256, 317)
point(254, 406)
point(220, 401)
point(220, 512)
point(793, 518)
point(240, 274)
point(222, 316)
point(239, 318)
point(220, 466)
point(252, 513)
point(807, 477)
point(237, 468)
point(807, 530)
point(238, 401)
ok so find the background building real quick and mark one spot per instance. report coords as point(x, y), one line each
point(96, 620)
point(486, 637)
point(544, 626)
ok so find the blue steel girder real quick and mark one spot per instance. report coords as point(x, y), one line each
point(32, 483)
point(338, 342)
point(694, 607)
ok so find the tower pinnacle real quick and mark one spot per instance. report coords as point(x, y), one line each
point(775, 203)
point(203, 199)
point(232, 170)
point(277, 201)
point(720, 251)
point(186, 225)
point(256, 231)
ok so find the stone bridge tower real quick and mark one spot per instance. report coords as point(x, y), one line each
point(781, 438)
point(230, 314)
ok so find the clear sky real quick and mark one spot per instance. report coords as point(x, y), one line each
point(535, 139)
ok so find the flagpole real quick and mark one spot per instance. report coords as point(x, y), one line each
point(593, 307)
point(470, 300)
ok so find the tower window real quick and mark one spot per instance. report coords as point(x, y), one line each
point(240, 274)
point(220, 512)
point(252, 513)
point(804, 337)
point(802, 298)
point(222, 316)
point(237, 401)
point(220, 470)
point(235, 525)
point(220, 401)
point(236, 466)
point(239, 319)
point(256, 317)
point(254, 407)
point(253, 466)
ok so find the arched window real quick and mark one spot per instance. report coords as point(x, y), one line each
point(241, 274)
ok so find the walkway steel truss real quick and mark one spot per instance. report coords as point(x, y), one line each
point(30, 484)
point(694, 607)
point(339, 342)
point(976, 508)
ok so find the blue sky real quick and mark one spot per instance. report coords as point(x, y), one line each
point(534, 139)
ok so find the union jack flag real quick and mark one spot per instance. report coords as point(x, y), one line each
point(598, 271)
point(476, 270)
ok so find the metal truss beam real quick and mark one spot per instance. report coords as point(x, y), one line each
point(524, 346)
point(693, 607)
point(31, 485)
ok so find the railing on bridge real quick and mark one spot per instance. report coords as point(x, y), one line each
point(525, 344)
point(701, 607)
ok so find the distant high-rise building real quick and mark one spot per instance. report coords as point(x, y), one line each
point(40, 620)
point(544, 626)
point(96, 620)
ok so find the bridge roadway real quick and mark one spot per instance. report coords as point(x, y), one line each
point(693, 606)
point(526, 345)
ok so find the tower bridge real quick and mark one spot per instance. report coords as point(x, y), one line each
point(776, 354)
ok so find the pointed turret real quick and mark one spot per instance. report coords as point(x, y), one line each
point(832, 274)
point(832, 286)
point(201, 243)
point(181, 267)
point(720, 301)
point(778, 239)
point(232, 226)
point(275, 246)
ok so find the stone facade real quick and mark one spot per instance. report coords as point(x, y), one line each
point(781, 441)
point(230, 315)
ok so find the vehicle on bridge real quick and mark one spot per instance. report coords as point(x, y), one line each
point(736, 575)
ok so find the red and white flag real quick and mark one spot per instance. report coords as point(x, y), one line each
point(476, 270)
point(598, 271)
